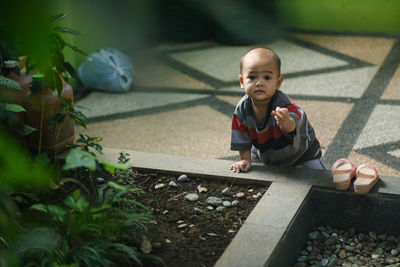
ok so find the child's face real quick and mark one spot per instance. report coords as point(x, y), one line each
point(260, 77)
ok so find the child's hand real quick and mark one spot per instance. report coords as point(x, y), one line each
point(283, 119)
point(242, 166)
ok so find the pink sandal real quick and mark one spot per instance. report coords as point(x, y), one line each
point(343, 170)
point(367, 177)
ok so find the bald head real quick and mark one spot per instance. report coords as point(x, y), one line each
point(262, 52)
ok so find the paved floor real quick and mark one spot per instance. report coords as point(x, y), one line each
point(182, 99)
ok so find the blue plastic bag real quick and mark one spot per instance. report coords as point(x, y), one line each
point(107, 69)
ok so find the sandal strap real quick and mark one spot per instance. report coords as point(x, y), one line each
point(340, 161)
point(369, 166)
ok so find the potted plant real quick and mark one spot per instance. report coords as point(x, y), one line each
point(49, 102)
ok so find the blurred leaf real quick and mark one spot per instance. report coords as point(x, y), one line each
point(6, 82)
point(58, 18)
point(67, 30)
point(111, 166)
point(13, 107)
point(28, 130)
point(17, 169)
point(56, 212)
point(78, 158)
point(77, 201)
point(71, 71)
point(76, 49)
point(38, 239)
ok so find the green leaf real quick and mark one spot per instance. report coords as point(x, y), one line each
point(58, 18)
point(67, 30)
point(38, 239)
point(77, 201)
point(13, 107)
point(111, 166)
point(9, 83)
point(71, 71)
point(77, 158)
point(56, 212)
point(28, 130)
point(117, 186)
point(17, 168)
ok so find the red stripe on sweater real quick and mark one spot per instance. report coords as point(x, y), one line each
point(273, 132)
point(237, 125)
point(293, 108)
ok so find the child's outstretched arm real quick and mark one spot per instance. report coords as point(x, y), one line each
point(286, 123)
point(244, 164)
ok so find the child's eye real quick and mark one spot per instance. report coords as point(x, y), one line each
point(251, 77)
point(267, 77)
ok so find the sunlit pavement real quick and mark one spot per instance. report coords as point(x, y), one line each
point(183, 96)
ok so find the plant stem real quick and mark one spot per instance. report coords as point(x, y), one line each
point(41, 125)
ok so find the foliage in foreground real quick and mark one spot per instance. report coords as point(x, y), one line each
point(93, 226)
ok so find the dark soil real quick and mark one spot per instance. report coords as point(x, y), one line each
point(206, 235)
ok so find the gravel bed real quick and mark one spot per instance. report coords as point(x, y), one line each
point(327, 246)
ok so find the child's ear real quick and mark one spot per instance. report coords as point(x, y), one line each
point(240, 78)
point(279, 82)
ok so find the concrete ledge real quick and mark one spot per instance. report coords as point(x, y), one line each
point(263, 229)
point(282, 218)
point(259, 172)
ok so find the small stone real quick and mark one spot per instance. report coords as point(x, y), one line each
point(159, 186)
point(220, 208)
point(214, 201)
point(181, 226)
point(372, 235)
point(192, 197)
point(374, 256)
point(379, 251)
point(100, 180)
point(394, 252)
point(201, 189)
point(325, 234)
point(183, 178)
point(351, 259)
point(250, 190)
point(168, 241)
point(226, 191)
point(301, 259)
point(146, 246)
point(180, 221)
point(342, 254)
point(210, 207)
point(231, 231)
point(304, 253)
point(313, 235)
point(382, 237)
point(198, 211)
point(212, 234)
point(324, 262)
point(240, 195)
point(172, 184)
point(330, 241)
point(235, 202)
point(257, 195)
point(226, 204)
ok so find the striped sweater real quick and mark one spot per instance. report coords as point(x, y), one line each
point(268, 142)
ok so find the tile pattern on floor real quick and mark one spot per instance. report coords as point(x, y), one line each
point(183, 99)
